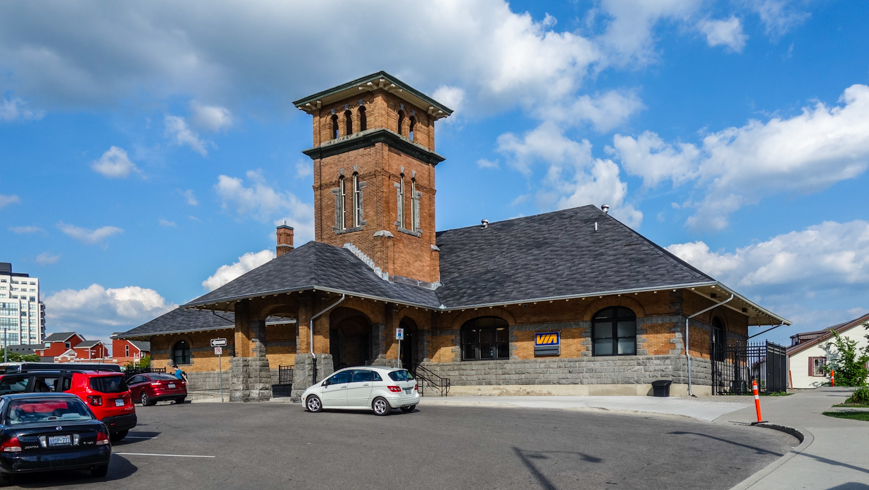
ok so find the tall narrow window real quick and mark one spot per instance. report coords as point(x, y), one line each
point(348, 123)
point(363, 120)
point(718, 340)
point(181, 352)
point(412, 125)
point(339, 205)
point(400, 121)
point(334, 126)
point(357, 201)
point(401, 202)
point(414, 206)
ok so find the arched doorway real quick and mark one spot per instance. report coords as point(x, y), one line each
point(349, 338)
point(410, 345)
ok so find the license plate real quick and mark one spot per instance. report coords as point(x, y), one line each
point(408, 390)
point(171, 385)
point(119, 402)
point(59, 440)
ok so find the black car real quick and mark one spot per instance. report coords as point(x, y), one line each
point(50, 431)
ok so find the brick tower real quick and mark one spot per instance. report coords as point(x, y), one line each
point(374, 174)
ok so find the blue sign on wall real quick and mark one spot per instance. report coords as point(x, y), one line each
point(547, 343)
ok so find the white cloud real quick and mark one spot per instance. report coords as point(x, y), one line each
point(177, 129)
point(304, 169)
point(87, 236)
point(12, 109)
point(484, 163)
point(190, 196)
point(25, 230)
point(98, 307)
point(452, 97)
point(7, 200)
point(115, 164)
point(573, 176)
point(724, 33)
point(246, 262)
point(263, 202)
point(825, 256)
point(778, 16)
point(46, 258)
point(736, 167)
point(167, 223)
point(604, 111)
point(211, 118)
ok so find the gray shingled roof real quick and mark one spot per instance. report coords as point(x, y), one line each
point(181, 320)
point(142, 345)
point(553, 255)
point(59, 337)
point(86, 344)
point(320, 266)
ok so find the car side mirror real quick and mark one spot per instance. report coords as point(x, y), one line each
point(325, 383)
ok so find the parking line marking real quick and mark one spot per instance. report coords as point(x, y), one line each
point(166, 455)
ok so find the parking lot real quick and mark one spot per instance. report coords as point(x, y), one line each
point(275, 445)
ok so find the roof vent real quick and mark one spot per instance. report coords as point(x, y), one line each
point(605, 208)
point(484, 223)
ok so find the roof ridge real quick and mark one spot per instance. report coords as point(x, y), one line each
point(522, 218)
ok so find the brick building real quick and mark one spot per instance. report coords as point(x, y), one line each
point(129, 351)
point(58, 343)
point(568, 302)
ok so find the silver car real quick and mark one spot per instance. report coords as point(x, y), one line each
point(381, 389)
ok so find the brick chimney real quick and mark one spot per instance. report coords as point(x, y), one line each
point(285, 239)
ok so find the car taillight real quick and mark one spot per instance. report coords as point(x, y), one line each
point(11, 445)
point(416, 387)
point(102, 439)
point(157, 383)
point(394, 389)
point(95, 400)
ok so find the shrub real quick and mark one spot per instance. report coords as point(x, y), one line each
point(859, 396)
point(849, 362)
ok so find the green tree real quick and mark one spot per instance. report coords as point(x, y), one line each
point(145, 361)
point(17, 357)
point(848, 362)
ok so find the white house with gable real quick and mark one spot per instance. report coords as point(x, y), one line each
point(810, 352)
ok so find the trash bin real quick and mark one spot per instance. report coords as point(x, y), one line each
point(662, 387)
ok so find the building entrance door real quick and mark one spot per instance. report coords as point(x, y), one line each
point(349, 344)
point(410, 345)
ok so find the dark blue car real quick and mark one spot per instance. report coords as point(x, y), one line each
point(50, 431)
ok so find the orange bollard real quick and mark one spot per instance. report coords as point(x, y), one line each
point(756, 403)
point(832, 378)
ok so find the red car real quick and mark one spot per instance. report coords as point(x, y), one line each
point(105, 393)
point(152, 387)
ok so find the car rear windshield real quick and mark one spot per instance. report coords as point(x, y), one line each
point(109, 384)
point(402, 375)
point(37, 410)
point(165, 377)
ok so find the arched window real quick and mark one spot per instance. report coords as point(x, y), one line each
point(181, 352)
point(357, 201)
point(614, 332)
point(400, 121)
point(414, 206)
point(401, 202)
point(334, 126)
point(485, 338)
point(348, 123)
point(363, 120)
point(340, 199)
point(718, 340)
point(412, 124)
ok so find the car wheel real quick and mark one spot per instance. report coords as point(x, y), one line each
point(119, 436)
point(100, 471)
point(313, 403)
point(381, 406)
point(145, 400)
point(5, 480)
point(408, 409)
point(180, 400)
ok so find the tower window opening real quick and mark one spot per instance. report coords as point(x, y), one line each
point(412, 124)
point(339, 205)
point(334, 126)
point(348, 123)
point(414, 206)
point(400, 121)
point(363, 120)
point(401, 202)
point(357, 201)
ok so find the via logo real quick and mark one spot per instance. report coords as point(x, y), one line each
point(549, 338)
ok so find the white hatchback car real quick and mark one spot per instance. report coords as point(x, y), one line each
point(364, 388)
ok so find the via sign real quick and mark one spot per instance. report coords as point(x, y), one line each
point(218, 342)
point(399, 334)
point(547, 343)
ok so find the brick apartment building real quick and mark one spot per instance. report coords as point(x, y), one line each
point(568, 302)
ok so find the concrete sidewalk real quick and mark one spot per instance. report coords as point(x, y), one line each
point(703, 409)
point(835, 454)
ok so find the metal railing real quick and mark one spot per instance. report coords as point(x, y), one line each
point(285, 375)
point(734, 367)
point(426, 376)
point(129, 373)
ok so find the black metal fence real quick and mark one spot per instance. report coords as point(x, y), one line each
point(129, 373)
point(285, 375)
point(734, 367)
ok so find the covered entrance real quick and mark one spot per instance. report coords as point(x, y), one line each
point(410, 345)
point(349, 338)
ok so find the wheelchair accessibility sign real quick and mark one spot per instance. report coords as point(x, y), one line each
point(547, 343)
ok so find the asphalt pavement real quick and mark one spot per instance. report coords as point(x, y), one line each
point(274, 445)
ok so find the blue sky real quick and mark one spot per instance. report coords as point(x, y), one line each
point(149, 149)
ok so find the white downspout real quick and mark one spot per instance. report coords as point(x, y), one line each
point(688, 344)
point(311, 331)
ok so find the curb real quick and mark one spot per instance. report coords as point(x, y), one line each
point(806, 439)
